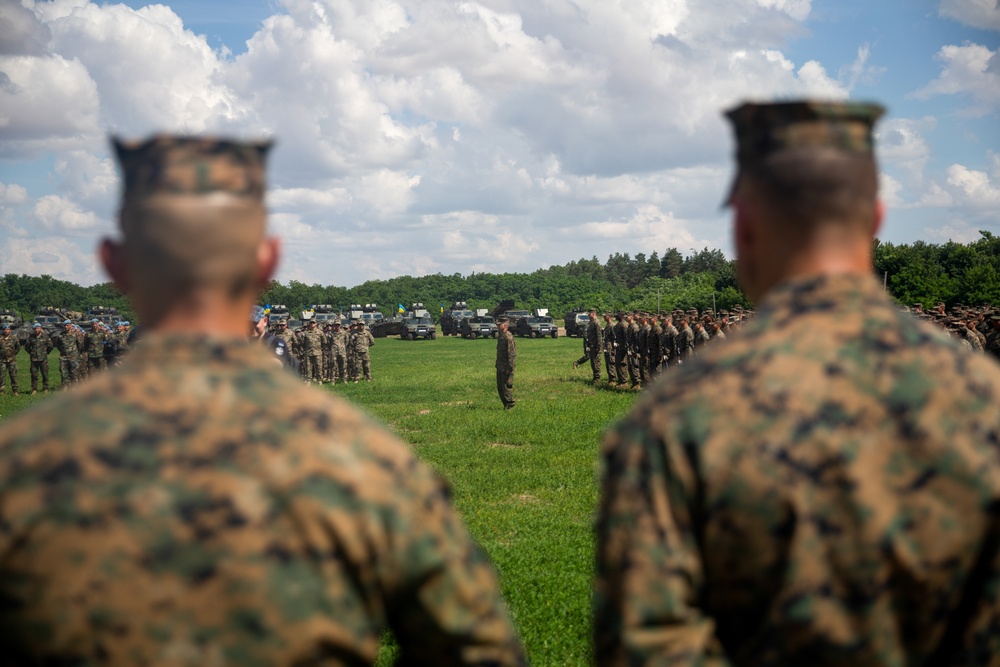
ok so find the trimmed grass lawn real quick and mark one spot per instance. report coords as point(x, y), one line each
point(524, 480)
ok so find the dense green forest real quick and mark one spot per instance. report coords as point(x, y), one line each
point(918, 272)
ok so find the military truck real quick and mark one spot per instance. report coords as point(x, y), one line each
point(52, 318)
point(536, 324)
point(368, 313)
point(279, 313)
point(418, 327)
point(15, 321)
point(451, 319)
point(576, 322)
point(480, 325)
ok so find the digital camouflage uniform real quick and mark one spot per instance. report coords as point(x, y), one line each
point(226, 514)
point(93, 344)
point(621, 350)
point(327, 356)
point(685, 344)
point(653, 347)
point(68, 345)
point(361, 341)
point(595, 345)
point(632, 356)
point(800, 494)
point(311, 346)
point(339, 340)
point(668, 345)
point(9, 347)
point(38, 347)
point(199, 506)
point(609, 352)
point(506, 362)
point(823, 489)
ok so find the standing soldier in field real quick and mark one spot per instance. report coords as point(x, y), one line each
point(701, 336)
point(506, 361)
point(198, 505)
point(632, 349)
point(312, 352)
point(68, 345)
point(685, 342)
point(621, 348)
point(641, 343)
point(281, 331)
point(593, 345)
point(327, 355)
point(609, 350)
point(653, 346)
point(339, 340)
point(93, 346)
point(9, 347)
point(38, 346)
point(668, 343)
point(363, 340)
point(823, 489)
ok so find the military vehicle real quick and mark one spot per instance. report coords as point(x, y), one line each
point(451, 319)
point(52, 318)
point(480, 325)
point(418, 327)
point(105, 315)
point(325, 314)
point(368, 313)
point(536, 324)
point(279, 313)
point(576, 322)
point(15, 321)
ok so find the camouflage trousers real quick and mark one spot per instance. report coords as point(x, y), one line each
point(595, 363)
point(505, 387)
point(69, 371)
point(642, 368)
point(312, 369)
point(39, 367)
point(96, 364)
point(363, 367)
point(8, 368)
point(609, 365)
point(338, 366)
point(633, 369)
point(327, 365)
point(622, 364)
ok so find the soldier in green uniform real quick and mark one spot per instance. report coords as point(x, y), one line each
point(823, 489)
point(338, 353)
point(311, 345)
point(198, 505)
point(362, 341)
point(593, 345)
point(93, 346)
point(609, 350)
point(506, 362)
point(38, 346)
point(68, 345)
point(9, 347)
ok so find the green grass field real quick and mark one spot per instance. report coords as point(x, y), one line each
point(524, 480)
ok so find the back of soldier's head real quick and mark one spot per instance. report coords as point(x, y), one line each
point(808, 163)
point(192, 213)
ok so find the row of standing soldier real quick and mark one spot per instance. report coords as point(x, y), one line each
point(80, 353)
point(332, 354)
point(638, 346)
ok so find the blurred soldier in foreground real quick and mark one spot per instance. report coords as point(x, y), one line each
point(38, 347)
point(823, 489)
point(198, 505)
point(506, 361)
point(9, 347)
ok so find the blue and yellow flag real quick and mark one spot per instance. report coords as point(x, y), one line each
point(401, 308)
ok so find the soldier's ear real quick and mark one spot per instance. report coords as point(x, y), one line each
point(112, 255)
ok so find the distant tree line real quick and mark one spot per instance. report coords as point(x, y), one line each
point(921, 272)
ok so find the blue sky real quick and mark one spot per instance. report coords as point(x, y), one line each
point(498, 135)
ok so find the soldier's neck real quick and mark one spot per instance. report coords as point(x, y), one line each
point(209, 312)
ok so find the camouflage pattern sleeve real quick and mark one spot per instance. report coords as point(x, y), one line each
point(649, 573)
point(200, 506)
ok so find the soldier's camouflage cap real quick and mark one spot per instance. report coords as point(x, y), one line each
point(192, 207)
point(763, 130)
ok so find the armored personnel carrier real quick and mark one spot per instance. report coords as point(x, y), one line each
point(105, 315)
point(324, 314)
point(536, 324)
point(451, 319)
point(418, 327)
point(279, 313)
point(480, 325)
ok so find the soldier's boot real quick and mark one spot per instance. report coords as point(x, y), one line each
point(575, 364)
point(33, 392)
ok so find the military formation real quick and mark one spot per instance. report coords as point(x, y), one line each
point(821, 489)
point(638, 346)
point(81, 353)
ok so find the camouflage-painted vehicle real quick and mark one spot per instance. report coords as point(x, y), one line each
point(576, 322)
point(324, 314)
point(368, 313)
point(536, 325)
point(279, 313)
point(479, 326)
point(451, 319)
point(418, 327)
point(15, 321)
